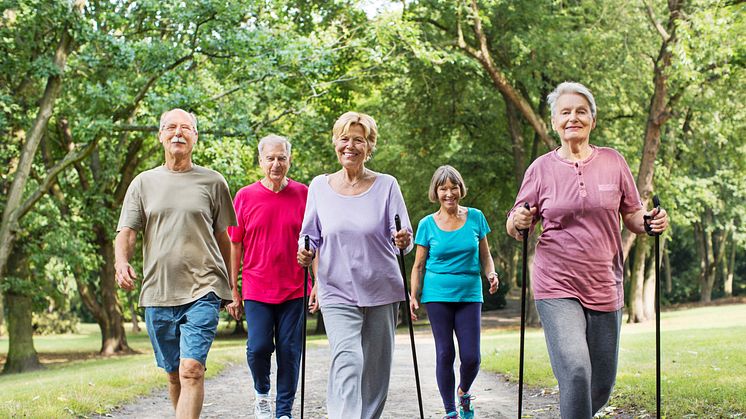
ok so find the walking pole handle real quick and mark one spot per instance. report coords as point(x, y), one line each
point(307, 241)
point(397, 221)
point(647, 218)
point(524, 231)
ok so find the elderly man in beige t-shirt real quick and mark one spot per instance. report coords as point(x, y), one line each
point(183, 211)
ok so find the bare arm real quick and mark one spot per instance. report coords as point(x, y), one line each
point(235, 308)
point(635, 221)
point(415, 280)
point(519, 219)
point(124, 246)
point(488, 265)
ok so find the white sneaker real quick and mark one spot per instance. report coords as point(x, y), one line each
point(284, 417)
point(263, 406)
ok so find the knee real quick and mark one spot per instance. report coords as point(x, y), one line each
point(260, 347)
point(191, 369)
point(471, 361)
point(173, 378)
point(578, 373)
point(447, 355)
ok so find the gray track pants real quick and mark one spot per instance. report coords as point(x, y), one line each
point(361, 340)
point(583, 348)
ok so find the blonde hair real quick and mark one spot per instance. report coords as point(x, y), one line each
point(442, 174)
point(348, 119)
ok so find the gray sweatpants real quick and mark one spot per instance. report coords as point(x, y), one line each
point(583, 349)
point(361, 340)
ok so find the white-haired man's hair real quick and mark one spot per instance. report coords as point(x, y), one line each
point(571, 87)
point(191, 116)
point(274, 139)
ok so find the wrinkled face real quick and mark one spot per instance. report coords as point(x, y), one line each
point(352, 148)
point(573, 120)
point(449, 195)
point(178, 134)
point(274, 161)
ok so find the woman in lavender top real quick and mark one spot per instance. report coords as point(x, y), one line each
point(578, 192)
point(349, 219)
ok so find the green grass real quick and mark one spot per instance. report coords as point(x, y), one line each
point(703, 363)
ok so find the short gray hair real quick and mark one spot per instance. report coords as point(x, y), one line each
point(571, 87)
point(442, 174)
point(274, 139)
point(191, 116)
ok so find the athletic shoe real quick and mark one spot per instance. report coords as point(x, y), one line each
point(263, 406)
point(452, 415)
point(284, 417)
point(466, 410)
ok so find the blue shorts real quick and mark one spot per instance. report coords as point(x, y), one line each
point(184, 331)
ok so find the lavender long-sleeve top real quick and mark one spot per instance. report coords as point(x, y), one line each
point(352, 235)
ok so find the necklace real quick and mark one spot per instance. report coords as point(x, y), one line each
point(353, 184)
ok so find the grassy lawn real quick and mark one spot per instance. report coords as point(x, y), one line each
point(703, 363)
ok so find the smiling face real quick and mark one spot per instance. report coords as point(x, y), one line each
point(178, 133)
point(449, 195)
point(352, 147)
point(573, 120)
point(275, 162)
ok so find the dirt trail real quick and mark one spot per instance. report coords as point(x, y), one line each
point(230, 394)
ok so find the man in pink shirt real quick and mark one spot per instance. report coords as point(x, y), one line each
point(578, 192)
point(270, 213)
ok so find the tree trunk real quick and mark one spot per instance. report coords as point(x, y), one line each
point(666, 266)
point(320, 328)
point(22, 356)
point(110, 319)
point(728, 285)
point(532, 315)
point(648, 289)
point(133, 316)
point(659, 112)
point(637, 282)
point(2, 315)
point(11, 215)
point(239, 330)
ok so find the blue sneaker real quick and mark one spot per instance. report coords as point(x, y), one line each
point(466, 409)
point(451, 415)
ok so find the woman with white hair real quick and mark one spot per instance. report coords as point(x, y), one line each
point(350, 222)
point(578, 192)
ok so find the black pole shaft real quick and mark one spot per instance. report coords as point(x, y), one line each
point(524, 233)
point(303, 337)
point(397, 221)
point(657, 329)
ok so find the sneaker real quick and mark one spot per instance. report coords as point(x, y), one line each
point(284, 417)
point(263, 406)
point(452, 415)
point(466, 410)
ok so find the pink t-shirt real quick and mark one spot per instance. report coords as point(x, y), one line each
point(579, 253)
point(268, 228)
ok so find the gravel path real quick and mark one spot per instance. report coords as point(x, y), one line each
point(231, 395)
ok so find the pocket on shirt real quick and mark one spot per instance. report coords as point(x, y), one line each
point(610, 196)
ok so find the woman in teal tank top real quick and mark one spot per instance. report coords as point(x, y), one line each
point(452, 251)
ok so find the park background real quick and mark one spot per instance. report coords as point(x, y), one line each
point(82, 84)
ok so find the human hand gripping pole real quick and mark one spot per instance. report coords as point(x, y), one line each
point(303, 335)
point(524, 233)
point(649, 230)
point(397, 222)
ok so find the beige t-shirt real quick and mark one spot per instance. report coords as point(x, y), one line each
point(178, 214)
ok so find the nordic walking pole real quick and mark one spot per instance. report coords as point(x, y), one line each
point(657, 205)
point(397, 221)
point(305, 320)
point(524, 233)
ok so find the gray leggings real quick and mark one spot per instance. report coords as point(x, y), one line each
point(583, 348)
point(361, 340)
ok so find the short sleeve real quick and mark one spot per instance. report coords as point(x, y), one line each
point(398, 207)
point(236, 232)
point(482, 225)
point(223, 212)
point(422, 238)
point(132, 215)
point(630, 195)
point(529, 191)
